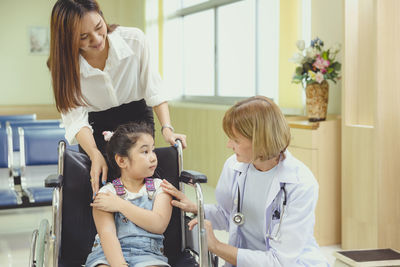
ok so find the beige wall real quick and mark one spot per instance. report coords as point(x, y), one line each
point(124, 12)
point(25, 79)
point(327, 22)
point(290, 95)
point(206, 140)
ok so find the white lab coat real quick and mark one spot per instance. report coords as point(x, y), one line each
point(296, 245)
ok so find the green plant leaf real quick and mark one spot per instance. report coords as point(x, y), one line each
point(338, 66)
point(325, 55)
point(297, 77)
point(299, 70)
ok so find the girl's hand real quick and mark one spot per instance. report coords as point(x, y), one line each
point(99, 166)
point(107, 202)
point(212, 241)
point(170, 137)
point(182, 202)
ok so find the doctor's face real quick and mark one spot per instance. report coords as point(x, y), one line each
point(242, 147)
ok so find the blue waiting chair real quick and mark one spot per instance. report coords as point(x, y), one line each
point(8, 196)
point(21, 117)
point(39, 123)
point(38, 159)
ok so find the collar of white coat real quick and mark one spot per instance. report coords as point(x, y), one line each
point(286, 170)
point(118, 50)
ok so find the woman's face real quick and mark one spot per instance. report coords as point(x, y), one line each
point(93, 33)
point(242, 147)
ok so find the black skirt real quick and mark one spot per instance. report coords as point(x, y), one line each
point(110, 119)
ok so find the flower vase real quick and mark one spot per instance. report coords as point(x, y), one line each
point(317, 101)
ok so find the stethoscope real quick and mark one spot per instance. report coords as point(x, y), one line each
point(238, 217)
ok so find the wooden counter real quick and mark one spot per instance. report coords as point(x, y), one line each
point(318, 145)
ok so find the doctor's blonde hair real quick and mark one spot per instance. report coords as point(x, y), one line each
point(260, 120)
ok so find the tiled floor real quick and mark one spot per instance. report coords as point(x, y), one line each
point(16, 228)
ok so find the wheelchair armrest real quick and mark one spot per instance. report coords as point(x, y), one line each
point(192, 177)
point(53, 180)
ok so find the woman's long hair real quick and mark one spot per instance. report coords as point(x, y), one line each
point(63, 61)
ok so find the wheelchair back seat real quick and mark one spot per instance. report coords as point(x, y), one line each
point(20, 117)
point(8, 197)
point(78, 229)
point(38, 159)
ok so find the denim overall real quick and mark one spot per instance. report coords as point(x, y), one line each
point(139, 247)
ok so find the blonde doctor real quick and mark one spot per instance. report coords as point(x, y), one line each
point(266, 198)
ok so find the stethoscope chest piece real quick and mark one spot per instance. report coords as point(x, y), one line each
point(238, 218)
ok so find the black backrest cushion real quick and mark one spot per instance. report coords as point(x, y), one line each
point(168, 169)
point(78, 229)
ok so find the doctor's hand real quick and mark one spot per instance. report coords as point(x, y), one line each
point(107, 202)
point(99, 166)
point(212, 241)
point(182, 202)
point(170, 137)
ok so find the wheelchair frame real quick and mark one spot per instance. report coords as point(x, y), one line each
point(52, 243)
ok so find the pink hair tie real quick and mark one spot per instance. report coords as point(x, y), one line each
point(107, 135)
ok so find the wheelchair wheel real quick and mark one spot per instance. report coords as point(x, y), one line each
point(42, 239)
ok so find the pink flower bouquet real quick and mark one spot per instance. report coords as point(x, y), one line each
point(316, 64)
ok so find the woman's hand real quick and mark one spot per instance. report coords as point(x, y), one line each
point(212, 241)
point(182, 202)
point(170, 137)
point(107, 202)
point(99, 166)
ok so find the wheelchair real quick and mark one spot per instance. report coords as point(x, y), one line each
point(68, 241)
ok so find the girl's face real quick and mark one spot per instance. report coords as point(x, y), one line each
point(93, 33)
point(242, 147)
point(142, 160)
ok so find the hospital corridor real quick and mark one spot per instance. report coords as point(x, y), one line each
point(209, 133)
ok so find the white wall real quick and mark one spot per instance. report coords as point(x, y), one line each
point(24, 77)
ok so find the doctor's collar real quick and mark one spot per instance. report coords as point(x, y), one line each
point(286, 169)
point(240, 166)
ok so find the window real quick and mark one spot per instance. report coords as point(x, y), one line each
point(219, 49)
point(236, 49)
point(198, 56)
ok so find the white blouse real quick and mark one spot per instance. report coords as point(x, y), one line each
point(128, 76)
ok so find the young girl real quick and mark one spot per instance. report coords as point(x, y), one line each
point(131, 213)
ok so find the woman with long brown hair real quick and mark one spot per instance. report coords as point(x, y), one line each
point(102, 78)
